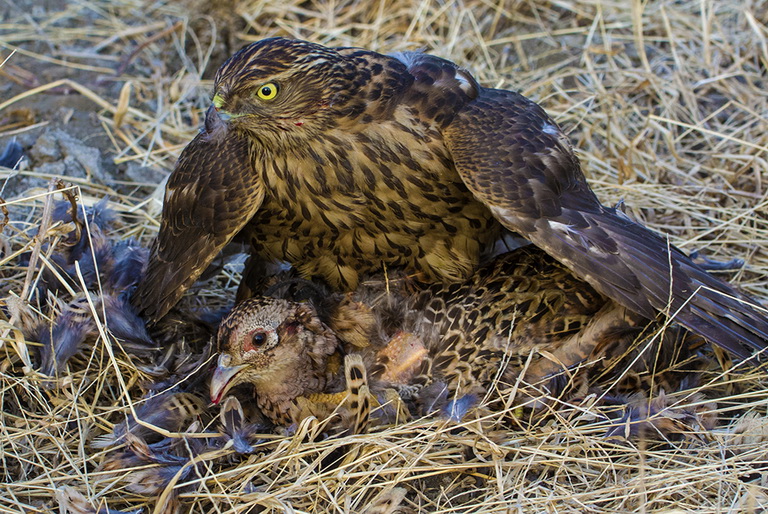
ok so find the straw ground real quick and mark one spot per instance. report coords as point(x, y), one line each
point(666, 103)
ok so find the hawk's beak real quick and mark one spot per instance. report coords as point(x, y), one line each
point(222, 380)
point(223, 115)
point(213, 121)
point(215, 109)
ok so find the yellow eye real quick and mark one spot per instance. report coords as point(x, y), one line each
point(267, 91)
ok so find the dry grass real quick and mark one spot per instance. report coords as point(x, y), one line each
point(667, 104)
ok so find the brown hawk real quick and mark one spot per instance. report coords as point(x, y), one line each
point(341, 161)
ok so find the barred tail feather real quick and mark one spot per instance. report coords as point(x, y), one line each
point(643, 272)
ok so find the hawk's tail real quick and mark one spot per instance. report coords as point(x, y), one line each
point(645, 273)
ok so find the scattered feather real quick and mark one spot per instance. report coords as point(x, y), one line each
point(167, 411)
point(387, 502)
point(433, 397)
point(236, 428)
point(12, 155)
point(456, 409)
point(660, 417)
point(71, 501)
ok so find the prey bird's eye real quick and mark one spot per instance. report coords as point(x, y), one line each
point(268, 91)
point(258, 339)
point(254, 341)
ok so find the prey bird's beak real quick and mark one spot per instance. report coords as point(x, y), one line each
point(222, 380)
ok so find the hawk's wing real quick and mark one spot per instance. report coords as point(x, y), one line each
point(211, 194)
point(518, 162)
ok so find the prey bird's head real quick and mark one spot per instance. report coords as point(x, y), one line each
point(280, 89)
point(267, 342)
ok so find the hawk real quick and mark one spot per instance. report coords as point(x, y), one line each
point(342, 161)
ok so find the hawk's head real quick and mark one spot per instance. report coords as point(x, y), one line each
point(282, 90)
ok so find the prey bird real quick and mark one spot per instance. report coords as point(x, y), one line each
point(450, 340)
point(287, 353)
point(343, 161)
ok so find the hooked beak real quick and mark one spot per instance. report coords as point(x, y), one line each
point(216, 121)
point(222, 115)
point(222, 380)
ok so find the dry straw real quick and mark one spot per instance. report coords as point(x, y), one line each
point(667, 105)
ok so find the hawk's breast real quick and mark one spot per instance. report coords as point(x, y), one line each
point(385, 194)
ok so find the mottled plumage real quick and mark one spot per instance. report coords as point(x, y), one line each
point(343, 161)
point(357, 399)
point(458, 337)
point(264, 343)
point(291, 358)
